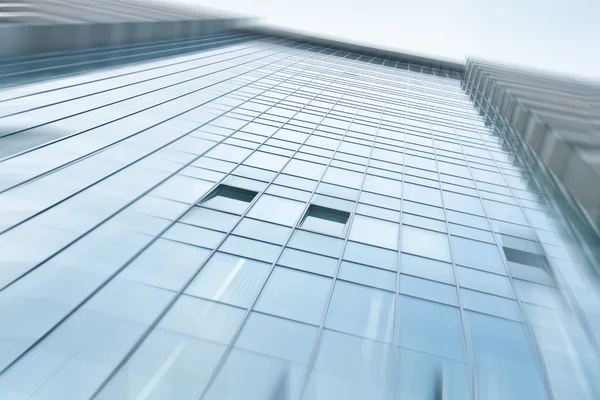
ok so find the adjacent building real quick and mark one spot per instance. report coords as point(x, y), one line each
point(260, 216)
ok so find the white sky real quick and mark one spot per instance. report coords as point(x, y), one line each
point(554, 35)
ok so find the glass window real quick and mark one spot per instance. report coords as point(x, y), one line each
point(422, 194)
point(349, 368)
point(369, 255)
point(374, 231)
point(484, 282)
point(160, 368)
point(295, 295)
point(308, 262)
point(277, 337)
point(250, 248)
point(378, 212)
point(166, 264)
point(296, 182)
point(369, 276)
point(476, 254)
point(288, 192)
point(268, 161)
point(422, 376)
point(422, 209)
point(430, 328)
point(384, 186)
point(182, 188)
point(381, 201)
point(326, 220)
point(429, 290)
point(503, 348)
point(423, 222)
point(316, 243)
point(337, 191)
point(304, 169)
point(468, 220)
point(210, 219)
point(260, 230)
point(425, 243)
point(333, 202)
point(158, 207)
point(538, 294)
point(277, 209)
point(490, 304)
point(343, 177)
point(361, 311)
point(229, 153)
point(229, 279)
point(427, 268)
point(505, 212)
point(462, 203)
point(193, 235)
point(229, 198)
point(529, 273)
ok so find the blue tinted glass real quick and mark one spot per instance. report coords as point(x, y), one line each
point(476, 254)
point(294, 294)
point(362, 311)
point(230, 279)
point(370, 255)
point(349, 367)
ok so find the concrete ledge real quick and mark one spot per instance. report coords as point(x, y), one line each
point(22, 40)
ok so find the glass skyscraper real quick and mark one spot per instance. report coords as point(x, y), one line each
point(252, 217)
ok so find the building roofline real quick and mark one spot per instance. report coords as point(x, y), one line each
point(358, 48)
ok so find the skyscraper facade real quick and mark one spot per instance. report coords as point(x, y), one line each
point(268, 218)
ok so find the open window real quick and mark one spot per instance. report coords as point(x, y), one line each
point(229, 198)
point(326, 220)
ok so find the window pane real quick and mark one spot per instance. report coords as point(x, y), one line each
point(177, 358)
point(308, 262)
point(375, 277)
point(490, 304)
point(277, 337)
point(374, 231)
point(268, 161)
point(230, 279)
point(326, 220)
point(316, 243)
point(305, 169)
point(375, 256)
point(229, 198)
point(422, 194)
point(431, 328)
point(503, 348)
point(350, 368)
point(478, 255)
point(462, 203)
point(166, 264)
point(210, 219)
point(250, 248)
point(182, 188)
point(419, 377)
point(484, 282)
point(425, 243)
point(193, 235)
point(277, 209)
point(343, 177)
point(295, 295)
point(89, 344)
point(429, 290)
point(383, 186)
point(426, 268)
point(362, 311)
point(262, 231)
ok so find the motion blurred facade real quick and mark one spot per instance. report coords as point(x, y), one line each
point(251, 216)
